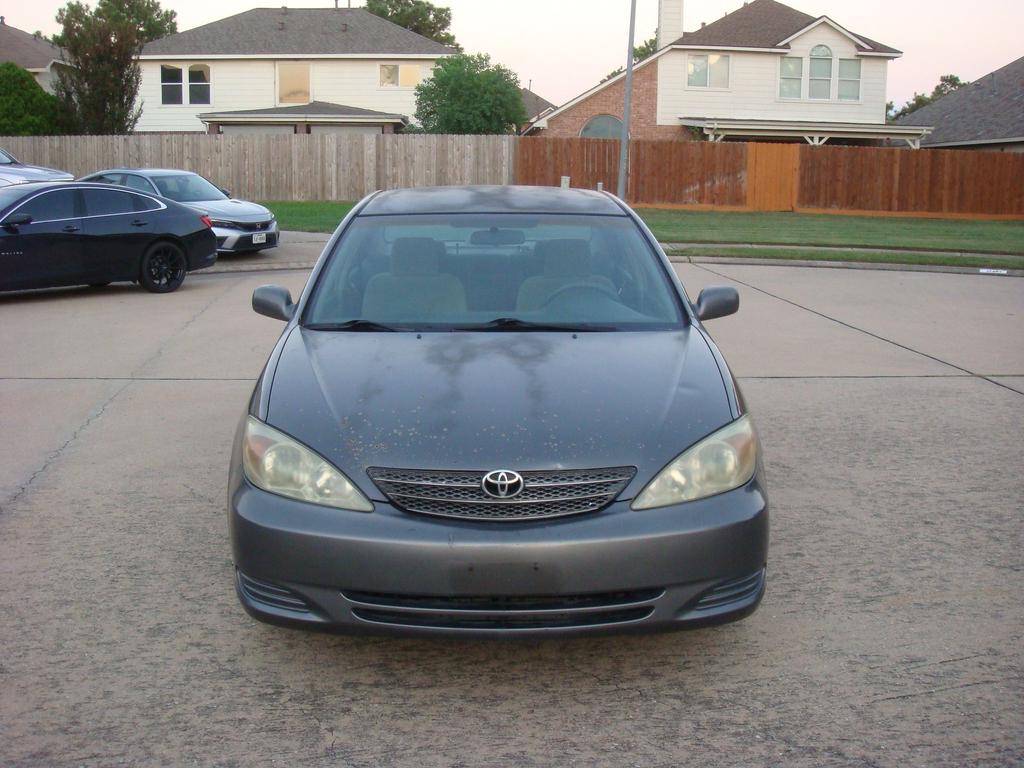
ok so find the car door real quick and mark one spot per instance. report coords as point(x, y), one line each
point(46, 251)
point(117, 232)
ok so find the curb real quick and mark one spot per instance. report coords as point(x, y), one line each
point(880, 267)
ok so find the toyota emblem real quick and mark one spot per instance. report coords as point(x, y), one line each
point(503, 484)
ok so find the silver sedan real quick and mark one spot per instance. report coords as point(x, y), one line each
point(240, 226)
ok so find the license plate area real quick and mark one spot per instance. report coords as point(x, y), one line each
point(259, 237)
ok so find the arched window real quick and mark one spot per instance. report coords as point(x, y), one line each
point(821, 72)
point(602, 127)
point(199, 84)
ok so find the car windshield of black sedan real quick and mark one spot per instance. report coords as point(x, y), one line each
point(493, 272)
point(187, 188)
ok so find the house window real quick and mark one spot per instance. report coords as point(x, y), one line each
point(170, 84)
point(821, 72)
point(791, 77)
point(199, 84)
point(293, 83)
point(849, 79)
point(405, 75)
point(602, 127)
point(710, 71)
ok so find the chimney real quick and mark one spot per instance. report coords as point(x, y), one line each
point(670, 21)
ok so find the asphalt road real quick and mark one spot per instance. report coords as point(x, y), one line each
point(891, 407)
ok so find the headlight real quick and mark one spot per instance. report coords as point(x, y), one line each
point(222, 224)
point(277, 463)
point(718, 463)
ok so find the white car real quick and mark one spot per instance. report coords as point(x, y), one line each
point(13, 171)
point(240, 226)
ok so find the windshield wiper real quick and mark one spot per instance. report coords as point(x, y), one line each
point(516, 324)
point(351, 325)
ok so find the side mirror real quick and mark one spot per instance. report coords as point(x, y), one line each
point(273, 301)
point(717, 301)
point(16, 220)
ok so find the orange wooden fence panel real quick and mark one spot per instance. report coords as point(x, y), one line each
point(772, 176)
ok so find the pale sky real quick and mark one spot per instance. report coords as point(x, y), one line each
point(566, 46)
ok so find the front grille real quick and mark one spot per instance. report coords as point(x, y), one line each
point(732, 591)
point(459, 494)
point(504, 612)
point(260, 226)
point(271, 594)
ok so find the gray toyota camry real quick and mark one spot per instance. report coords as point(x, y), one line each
point(494, 411)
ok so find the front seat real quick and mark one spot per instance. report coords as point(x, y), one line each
point(415, 288)
point(566, 262)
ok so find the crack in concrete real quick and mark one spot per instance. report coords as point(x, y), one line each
point(862, 330)
point(96, 413)
point(942, 689)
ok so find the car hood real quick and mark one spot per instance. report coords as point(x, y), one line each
point(22, 172)
point(231, 210)
point(484, 401)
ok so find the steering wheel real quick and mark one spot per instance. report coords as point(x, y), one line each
point(580, 287)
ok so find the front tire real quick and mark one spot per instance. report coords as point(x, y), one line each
point(163, 268)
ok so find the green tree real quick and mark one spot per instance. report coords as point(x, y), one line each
point(25, 108)
point(419, 16)
point(643, 51)
point(947, 84)
point(100, 85)
point(468, 94)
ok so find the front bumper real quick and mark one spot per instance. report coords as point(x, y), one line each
point(392, 572)
point(230, 240)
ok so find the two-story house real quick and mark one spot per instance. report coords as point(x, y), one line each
point(764, 72)
point(286, 70)
point(41, 58)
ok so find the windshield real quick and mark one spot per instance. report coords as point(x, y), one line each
point(6, 159)
point(493, 272)
point(187, 188)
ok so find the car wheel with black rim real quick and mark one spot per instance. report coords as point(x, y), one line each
point(163, 268)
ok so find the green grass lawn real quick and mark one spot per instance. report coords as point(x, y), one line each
point(852, 231)
point(309, 217)
point(1005, 237)
point(868, 257)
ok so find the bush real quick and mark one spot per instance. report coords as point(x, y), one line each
point(25, 108)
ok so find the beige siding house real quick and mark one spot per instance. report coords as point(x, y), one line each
point(766, 71)
point(286, 70)
point(40, 58)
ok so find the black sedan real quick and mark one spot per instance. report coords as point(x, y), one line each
point(58, 234)
point(495, 411)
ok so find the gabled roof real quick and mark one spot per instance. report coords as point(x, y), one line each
point(535, 105)
point(297, 32)
point(988, 110)
point(767, 24)
point(25, 50)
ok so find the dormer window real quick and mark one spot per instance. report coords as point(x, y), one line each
point(821, 72)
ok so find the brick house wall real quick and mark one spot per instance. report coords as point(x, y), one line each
point(609, 100)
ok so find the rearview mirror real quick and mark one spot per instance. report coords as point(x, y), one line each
point(16, 220)
point(273, 301)
point(495, 236)
point(717, 301)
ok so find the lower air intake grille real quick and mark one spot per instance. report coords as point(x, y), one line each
point(272, 595)
point(731, 592)
point(459, 494)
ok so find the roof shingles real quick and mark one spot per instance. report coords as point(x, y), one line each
point(25, 50)
point(297, 31)
point(761, 24)
point(989, 109)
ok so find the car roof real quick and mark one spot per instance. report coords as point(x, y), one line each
point(147, 171)
point(492, 199)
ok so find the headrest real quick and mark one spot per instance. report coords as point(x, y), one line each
point(564, 258)
point(416, 256)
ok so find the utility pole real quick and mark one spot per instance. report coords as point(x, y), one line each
point(627, 110)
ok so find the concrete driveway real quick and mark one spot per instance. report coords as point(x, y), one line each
point(891, 407)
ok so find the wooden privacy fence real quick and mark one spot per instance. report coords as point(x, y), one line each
point(759, 177)
point(296, 167)
point(787, 177)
